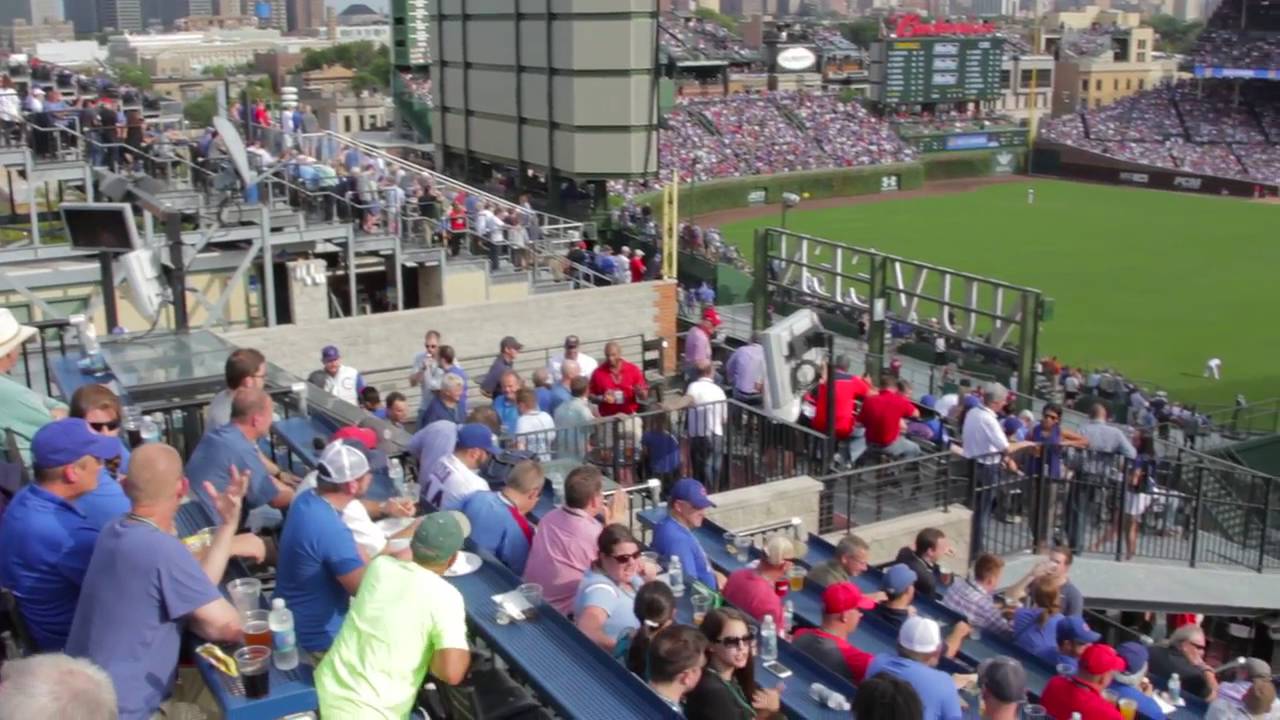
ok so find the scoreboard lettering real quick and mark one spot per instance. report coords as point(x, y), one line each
point(931, 70)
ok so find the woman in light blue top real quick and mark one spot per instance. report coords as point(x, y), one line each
point(1035, 629)
point(605, 606)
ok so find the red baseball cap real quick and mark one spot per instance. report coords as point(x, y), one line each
point(1100, 658)
point(365, 436)
point(843, 596)
point(710, 315)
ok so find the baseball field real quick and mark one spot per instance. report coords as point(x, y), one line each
point(1150, 283)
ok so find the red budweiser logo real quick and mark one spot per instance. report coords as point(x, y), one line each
point(913, 26)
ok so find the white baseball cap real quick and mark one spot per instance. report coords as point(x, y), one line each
point(340, 463)
point(920, 635)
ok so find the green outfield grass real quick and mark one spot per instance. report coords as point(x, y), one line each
point(1151, 283)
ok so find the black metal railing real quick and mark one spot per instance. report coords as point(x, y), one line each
point(34, 375)
point(877, 492)
point(750, 448)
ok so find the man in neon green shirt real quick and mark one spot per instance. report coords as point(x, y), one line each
point(25, 410)
point(386, 645)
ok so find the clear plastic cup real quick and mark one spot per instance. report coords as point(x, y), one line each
point(254, 664)
point(1034, 712)
point(743, 546)
point(701, 604)
point(246, 594)
point(532, 594)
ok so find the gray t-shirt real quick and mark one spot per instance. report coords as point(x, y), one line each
point(219, 411)
point(1072, 600)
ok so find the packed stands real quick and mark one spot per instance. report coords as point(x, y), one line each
point(699, 39)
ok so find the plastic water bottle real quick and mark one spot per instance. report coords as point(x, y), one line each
point(768, 640)
point(1076, 716)
point(149, 427)
point(396, 471)
point(675, 576)
point(284, 644)
point(788, 616)
point(1175, 689)
point(819, 693)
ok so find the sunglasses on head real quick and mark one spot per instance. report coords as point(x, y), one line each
point(625, 557)
point(104, 426)
point(733, 642)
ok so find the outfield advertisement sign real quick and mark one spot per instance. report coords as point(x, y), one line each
point(970, 142)
point(1159, 180)
point(758, 196)
point(1004, 162)
point(889, 183)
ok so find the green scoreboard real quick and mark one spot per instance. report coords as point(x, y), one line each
point(912, 71)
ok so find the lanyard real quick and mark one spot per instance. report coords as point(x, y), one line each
point(736, 691)
point(147, 521)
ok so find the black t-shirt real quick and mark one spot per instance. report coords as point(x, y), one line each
point(894, 616)
point(926, 575)
point(714, 699)
point(1166, 661)
point(824, 650)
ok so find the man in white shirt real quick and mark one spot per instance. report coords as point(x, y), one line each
point(707, 411)
point(586, 364)
point(426, 370)
point(1213, 368)
point(342, 381)
point(454, 477)
point(987, 446)
point(535, 430)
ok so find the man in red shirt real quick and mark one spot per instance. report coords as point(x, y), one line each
point(617, 385)
point(1082, 693)
point(842, 607)
point(637, 265)
point(754, 591)
point(849, 389)
point(882, 414)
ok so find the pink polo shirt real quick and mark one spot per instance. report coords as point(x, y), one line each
point(564, 546)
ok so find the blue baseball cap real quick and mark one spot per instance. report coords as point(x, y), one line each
point(476, 436)
point(65, 441)
point(1075, 629)
point(692, 492)
point(928, 401)
point(898, 578)
point(1011, 424)
point(971, 401)
point(329, 353)
point(1135, 656)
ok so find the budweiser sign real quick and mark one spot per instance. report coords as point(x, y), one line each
point(913, 26)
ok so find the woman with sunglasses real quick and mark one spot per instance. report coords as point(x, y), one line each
point(727, 690)
point(1050, 437)
point(605, 606)
point(100, 408)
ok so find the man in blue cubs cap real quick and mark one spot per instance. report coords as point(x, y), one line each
point(1074, 636)
point(454, 477)
point(686, 509)
point(47, 540)
point(1131, 682)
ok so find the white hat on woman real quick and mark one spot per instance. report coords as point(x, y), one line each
point(12, 333)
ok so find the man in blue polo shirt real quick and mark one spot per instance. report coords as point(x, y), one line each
point(1074, 636)
point(497, 517)
point(47, 540)
point(320, 565)
point(919, 648)
point(1128, 683)
point(234, 445)
point(686, 510)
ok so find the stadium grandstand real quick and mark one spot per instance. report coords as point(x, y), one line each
point(377, 440)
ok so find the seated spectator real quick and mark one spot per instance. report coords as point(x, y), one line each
point(752, 588)
point(1073, 635)
point(100, 408)
point(919, 649)
point(234, 446)
point(359, 516)
point(321, 565)
point(1257, 703)
point(245, 368)
point(1060, 559)
point(605, 603)
point(882, 415)
point(1004, 687)
point(371, 402)
point(1035, 629)
point(565, 544)
point(1183, 653)
point(143, 589)
point(686, 509)
point(429, 445)
point(573, 418)
point(675, 663)
point(534, 429)
point(397, 410)
point(498, 517)
point(455, 476)
point(974, 597)
point(727, 689)
point(1082, 693)
point(341, 381)
point(655, 608)
point(383, 652)
point(842, 608)
point(47, 539)
point(505, 402)
point(1132, 682)
point(900, 592)
point(445, 403)
point(662, 455)
point(886, 697)
point(446, 362)
point(931, 546)
point(849, 562)
point(25, 410)
point(52, 685)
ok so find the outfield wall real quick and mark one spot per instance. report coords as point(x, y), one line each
point(1079, 164)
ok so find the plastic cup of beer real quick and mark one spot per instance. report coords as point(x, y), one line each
point(743, 547)
point(1128, 708)
point(246, 594)
point(532, 594)
point(254, 664)
point(796, 575)
point(701, 604)
point(731, 543)
point(257, 630)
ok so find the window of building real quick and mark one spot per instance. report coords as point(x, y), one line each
point(346, 123)
point(1044, 78)
point(1128, 83)
point(1142, 57)
point(1026, 78)
point(373, 121)
point(1142, 44)
point(1084, 85)
point(1115, 85)
point(1142, 83)
point(1004, 79)
point(1097, 85)
point(1097, 102)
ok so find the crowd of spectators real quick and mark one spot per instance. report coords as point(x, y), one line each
point(689, 38)
point(419, 86)
point(1089, 42)
point(950, 121)
point(1221, 48)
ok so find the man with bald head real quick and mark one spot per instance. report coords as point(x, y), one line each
point(562, 391)
point(143, 588)
point(234, 446)
point(617, 385)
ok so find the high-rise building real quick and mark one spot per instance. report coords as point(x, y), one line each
point(82, 14)
point(120, 15)
point(305, 15)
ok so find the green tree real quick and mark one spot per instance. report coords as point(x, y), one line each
point(724, 21)
point(861, 32)
point(199, 112)
point(364, 56)
point(1174, 35)
point(132, 75)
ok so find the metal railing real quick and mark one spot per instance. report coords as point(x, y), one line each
point(883, 491)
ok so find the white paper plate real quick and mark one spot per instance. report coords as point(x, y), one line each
point(465, 564)
point(392, 525)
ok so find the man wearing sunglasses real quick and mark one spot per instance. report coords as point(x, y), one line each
point(426, 368)
point(1184, 654)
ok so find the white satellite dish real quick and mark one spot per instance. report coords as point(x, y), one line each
point(235, 149)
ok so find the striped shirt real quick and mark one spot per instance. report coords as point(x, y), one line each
point(976, 604)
